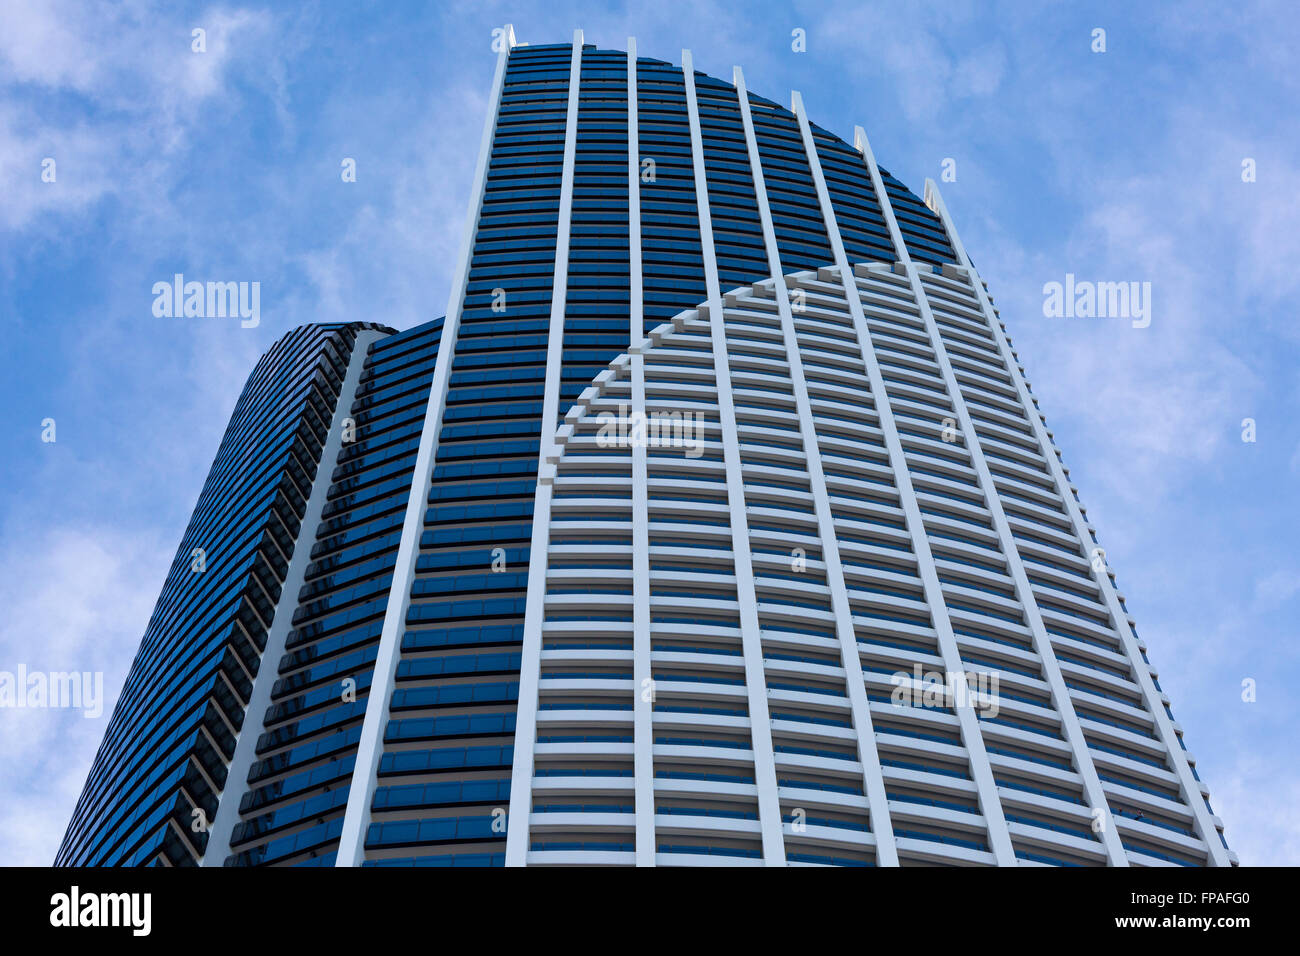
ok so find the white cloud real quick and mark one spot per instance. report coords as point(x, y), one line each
point(1278, 588)
point(132, 89)
point(979, 73)
point(912, 49)
point(202, 74)
point(1257, 800)
point(77, 601)
point(85, 161)
point(40, 43)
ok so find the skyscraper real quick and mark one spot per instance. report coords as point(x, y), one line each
point(715, 523)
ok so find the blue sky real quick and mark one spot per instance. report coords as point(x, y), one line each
point(1116, 166)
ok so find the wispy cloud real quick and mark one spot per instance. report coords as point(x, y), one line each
point(75, 599)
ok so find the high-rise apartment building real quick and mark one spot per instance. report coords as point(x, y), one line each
point(715, 523)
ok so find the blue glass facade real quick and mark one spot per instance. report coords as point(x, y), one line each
point(172, 733)
point(297, 788)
